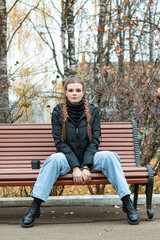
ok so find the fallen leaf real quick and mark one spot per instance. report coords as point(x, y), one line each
point(106, 229)
point(69, 213)
point(107, 211)
point(143, 213)
point(116, 206)
point(52, 211)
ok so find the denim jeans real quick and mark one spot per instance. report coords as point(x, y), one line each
point(57, 164)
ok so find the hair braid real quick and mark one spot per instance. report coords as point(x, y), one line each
point(88, 115)
point(65, 117)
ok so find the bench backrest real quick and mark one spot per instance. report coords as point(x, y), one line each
point(22, 143)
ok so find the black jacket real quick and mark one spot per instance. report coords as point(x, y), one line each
point(77, 147)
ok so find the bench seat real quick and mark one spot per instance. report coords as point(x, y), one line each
point(22, 143)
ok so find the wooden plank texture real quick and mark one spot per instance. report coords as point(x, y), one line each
point(22, 143)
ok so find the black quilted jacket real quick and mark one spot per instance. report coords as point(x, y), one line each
point(77, 148)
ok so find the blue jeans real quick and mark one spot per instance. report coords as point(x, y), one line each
point(57, 164)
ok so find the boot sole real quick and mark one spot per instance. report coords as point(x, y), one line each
point(133, 223)
point(31, 224)
point(129, 221)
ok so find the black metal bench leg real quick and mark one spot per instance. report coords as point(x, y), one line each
point(149, 191)
point(136, 188)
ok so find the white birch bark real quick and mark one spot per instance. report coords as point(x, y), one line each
point(68, 38)
point(71, 37)
point(64, 37)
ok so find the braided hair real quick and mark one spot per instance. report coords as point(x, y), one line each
point(64, 107)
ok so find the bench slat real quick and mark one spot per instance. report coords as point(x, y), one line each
point(51, 144)
point(25, 132)
point(50, 153)
point(69, 175)
point(33, 176)
point(69, 182)
point(28, 165)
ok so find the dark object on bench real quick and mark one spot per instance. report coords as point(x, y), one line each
point(22, 143)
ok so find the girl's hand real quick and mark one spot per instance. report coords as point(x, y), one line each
point(87, 176)
point(77, 176)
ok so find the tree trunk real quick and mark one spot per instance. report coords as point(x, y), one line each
point(68, 38)
point(63, 36)
point(4, 101)
point(71, 38)
point(99, 61)
point(150, 39)
point(121, 40)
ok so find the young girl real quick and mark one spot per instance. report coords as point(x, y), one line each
point(76, 132)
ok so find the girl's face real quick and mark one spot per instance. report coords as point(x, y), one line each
point(74, 92)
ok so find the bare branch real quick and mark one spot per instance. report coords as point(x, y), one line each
point(12, 6)
point(20, 24)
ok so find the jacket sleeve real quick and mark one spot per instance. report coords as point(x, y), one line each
point(62, 146)
point(92, 147)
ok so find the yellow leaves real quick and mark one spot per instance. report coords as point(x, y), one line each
point(26, 105)
point(83, 58)
point(27, 34)
point(114, 39)
point(120, 51)
point(158, 90)
point(106, 68)
point(125, 1)
point(126, 78)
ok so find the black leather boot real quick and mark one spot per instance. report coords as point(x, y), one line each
point(33, 212)
point(128, 208)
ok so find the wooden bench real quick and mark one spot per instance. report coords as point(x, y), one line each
point(22, 143)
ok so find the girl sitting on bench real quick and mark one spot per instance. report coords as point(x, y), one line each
point(76, 132)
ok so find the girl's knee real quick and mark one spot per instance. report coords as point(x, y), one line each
point(109, 157)
point(56, 158)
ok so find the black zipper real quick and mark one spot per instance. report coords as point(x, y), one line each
point(77, 131)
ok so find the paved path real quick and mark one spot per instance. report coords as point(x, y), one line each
point(79, 223)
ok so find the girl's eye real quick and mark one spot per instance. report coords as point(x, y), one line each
point(78, 90)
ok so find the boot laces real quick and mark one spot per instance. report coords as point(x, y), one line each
point(129, 205)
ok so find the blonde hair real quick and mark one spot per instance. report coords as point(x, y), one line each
point(64, 107)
